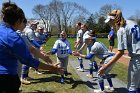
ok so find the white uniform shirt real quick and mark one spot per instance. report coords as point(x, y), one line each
point(99, 50)
point(62, 48)
point(129, 38)
point(80, 34)
point(28, 44)
point(29, 33)
point(84, 36)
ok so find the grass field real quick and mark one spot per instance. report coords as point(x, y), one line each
point(49, 83)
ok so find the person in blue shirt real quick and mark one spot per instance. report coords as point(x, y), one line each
point(13, 48)
point(34, 51)
point(111, 38)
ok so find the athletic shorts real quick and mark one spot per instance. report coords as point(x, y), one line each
point(111, 42)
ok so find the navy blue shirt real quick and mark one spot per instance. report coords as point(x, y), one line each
point(112, 35)
point(12, 49)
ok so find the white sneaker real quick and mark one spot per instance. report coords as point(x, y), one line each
point(38, 72)
point(81, 69)
point(99, 91)
point(109, 88)
point(89, 75)
point(25, 81)
point(78, 67)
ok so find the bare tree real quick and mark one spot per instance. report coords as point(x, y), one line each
point(70, 10)
point(106, 9)
point(39, 11)
point(60, 13)
point(56, 6)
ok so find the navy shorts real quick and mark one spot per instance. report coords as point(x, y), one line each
point(111, 42)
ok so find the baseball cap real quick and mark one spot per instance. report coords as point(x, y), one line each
point(34, 22)
point(89, 37)
point(109, 18)
point(40, 27)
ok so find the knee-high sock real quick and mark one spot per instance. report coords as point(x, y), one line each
point(62, 76)
point(25, 71)
point(81, 63)
point(95, 65)
point(91, 68)
point(101, 83)
point(110, 82)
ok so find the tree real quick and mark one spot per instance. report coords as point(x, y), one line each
point(102, 26)
point(91, 23)
point(106, 9)
point(44, 13)
point(60, 13)
point(136, 17)
point(70, 10)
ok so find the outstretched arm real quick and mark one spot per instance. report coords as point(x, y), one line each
point(82, 47)
point(51, 68)
point(89, 56)
point(40, 54)
point(112, 61)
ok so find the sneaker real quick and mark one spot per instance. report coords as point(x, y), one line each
point(99, 91)
point(78, 67)
point(38, 72)
point(25, 81)
point(89, 75)
point(109, 88)
point(62, 80)
point(81, 69)
point(65, 73)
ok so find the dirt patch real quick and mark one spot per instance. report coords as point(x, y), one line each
point(124, 59)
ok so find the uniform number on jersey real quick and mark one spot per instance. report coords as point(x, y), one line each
point(63, 51)
point(136, 32)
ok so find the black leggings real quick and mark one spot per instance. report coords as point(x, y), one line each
point(9, 83)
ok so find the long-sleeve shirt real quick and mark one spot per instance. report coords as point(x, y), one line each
point(12, 49)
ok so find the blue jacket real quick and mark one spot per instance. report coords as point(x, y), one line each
point(12, 49)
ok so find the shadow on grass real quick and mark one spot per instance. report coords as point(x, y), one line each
point(47, 79)
point(120, 90)
point(38, 91)
point(87, 70)
point(68, 80)
point(113, 75)
point(87, 83)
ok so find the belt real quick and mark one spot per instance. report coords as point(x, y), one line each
point(106, 57)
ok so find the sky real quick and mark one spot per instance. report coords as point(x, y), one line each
point(129, 7)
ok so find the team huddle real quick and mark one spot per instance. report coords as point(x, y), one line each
point(21, 47)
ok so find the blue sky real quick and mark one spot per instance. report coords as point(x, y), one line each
point(129, 7)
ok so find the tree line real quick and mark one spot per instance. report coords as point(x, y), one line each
point(64, 15)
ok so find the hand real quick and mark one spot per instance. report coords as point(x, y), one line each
point(48, 53)
point(58, 70)
point(75, 47)
point(56, 64)
point(41, 49)
point(102, 69)
point(76, 53)
point(49, 60)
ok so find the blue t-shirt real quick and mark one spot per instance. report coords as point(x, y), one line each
point(12, 49)
point(112, 35)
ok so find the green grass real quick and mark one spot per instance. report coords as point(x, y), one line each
point(49, 83)
point(121, 71)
